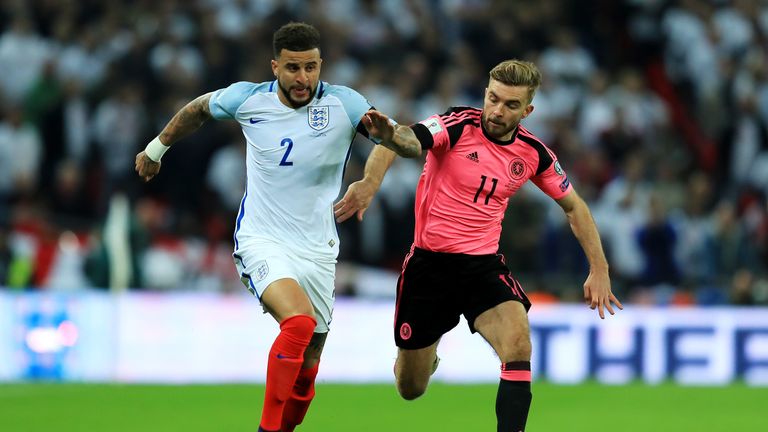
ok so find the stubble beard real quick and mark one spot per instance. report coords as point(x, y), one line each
point(294, 103)
point(487, 123)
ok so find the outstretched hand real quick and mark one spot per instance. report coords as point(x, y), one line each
point(597, 293)
point(378, 125)
point(355, 201)
point(146, 167)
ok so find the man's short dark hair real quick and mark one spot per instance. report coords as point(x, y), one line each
point(295, 37)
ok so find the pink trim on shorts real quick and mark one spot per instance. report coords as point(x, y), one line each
point(400, 285)
point(513, 288)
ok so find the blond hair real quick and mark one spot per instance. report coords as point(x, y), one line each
point(518, 73)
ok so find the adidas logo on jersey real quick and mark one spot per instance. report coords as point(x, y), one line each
point(473, 157)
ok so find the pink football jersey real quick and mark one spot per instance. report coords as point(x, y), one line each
point(468, 178)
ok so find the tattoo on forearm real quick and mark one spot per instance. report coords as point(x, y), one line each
point(404, 142)
point(187, 120)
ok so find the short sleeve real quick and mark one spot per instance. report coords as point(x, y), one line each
point(225, 102)
point(354, 103)
point(438, 138)
point(441, 132)
point(553, 181)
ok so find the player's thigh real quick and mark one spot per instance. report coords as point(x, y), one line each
point(486, 283)
point(285, 298)
point(426, 301)
point(505, 327)
point(415, 364)
point(269, 272)
point(497, 306)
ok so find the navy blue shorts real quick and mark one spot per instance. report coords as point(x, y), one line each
point(436, 288)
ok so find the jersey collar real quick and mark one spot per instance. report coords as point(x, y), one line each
point(497, 141)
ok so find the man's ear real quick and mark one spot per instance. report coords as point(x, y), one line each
point(528, 111)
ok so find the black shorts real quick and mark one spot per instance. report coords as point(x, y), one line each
point(435, 288)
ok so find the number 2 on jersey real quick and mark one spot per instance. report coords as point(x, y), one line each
point(482, 185)
point(285, 161)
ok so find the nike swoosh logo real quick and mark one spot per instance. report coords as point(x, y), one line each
point(256, 120)
point(281, 356)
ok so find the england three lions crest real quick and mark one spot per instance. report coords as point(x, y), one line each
point(318, 117)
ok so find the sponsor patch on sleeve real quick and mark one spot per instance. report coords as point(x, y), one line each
point(558, 168)
point(564, 185)
point(433, 125)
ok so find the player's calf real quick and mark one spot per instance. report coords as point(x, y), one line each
point(283, 366)
point(513, 399)
point(301, 397)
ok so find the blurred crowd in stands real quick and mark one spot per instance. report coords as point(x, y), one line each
point(657, 109)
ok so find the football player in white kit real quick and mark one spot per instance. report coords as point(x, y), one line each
point(298, 132)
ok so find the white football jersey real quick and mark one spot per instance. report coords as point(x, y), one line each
point(295, 162)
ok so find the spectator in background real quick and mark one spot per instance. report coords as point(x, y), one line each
point(70, 205)
point(226, 173)
point(176, 63)
point(21, 150)
point(23, 54)
point(597, 113)
point(642, 112)
point(445, 94)
point(567, 61)
point(621, 211)
point(119, 126)
point(690, 52)
point(729, 245)
point(693, 224)
point(744, 146)
point(657, 239)
point(77, 123)
point(81, 60)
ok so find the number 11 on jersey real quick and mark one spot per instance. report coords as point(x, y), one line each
point(482, 185)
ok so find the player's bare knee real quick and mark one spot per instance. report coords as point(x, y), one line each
point(410, 394)
point(411, 389)
point(516, 348)
point(410, 385)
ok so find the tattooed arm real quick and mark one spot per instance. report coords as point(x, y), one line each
point(186, 121)
point(398, 138)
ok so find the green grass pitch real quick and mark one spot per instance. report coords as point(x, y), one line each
point(373, 408)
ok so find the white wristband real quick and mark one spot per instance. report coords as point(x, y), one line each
point(156, 149)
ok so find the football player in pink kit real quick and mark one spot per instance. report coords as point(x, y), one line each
point(476, 160)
